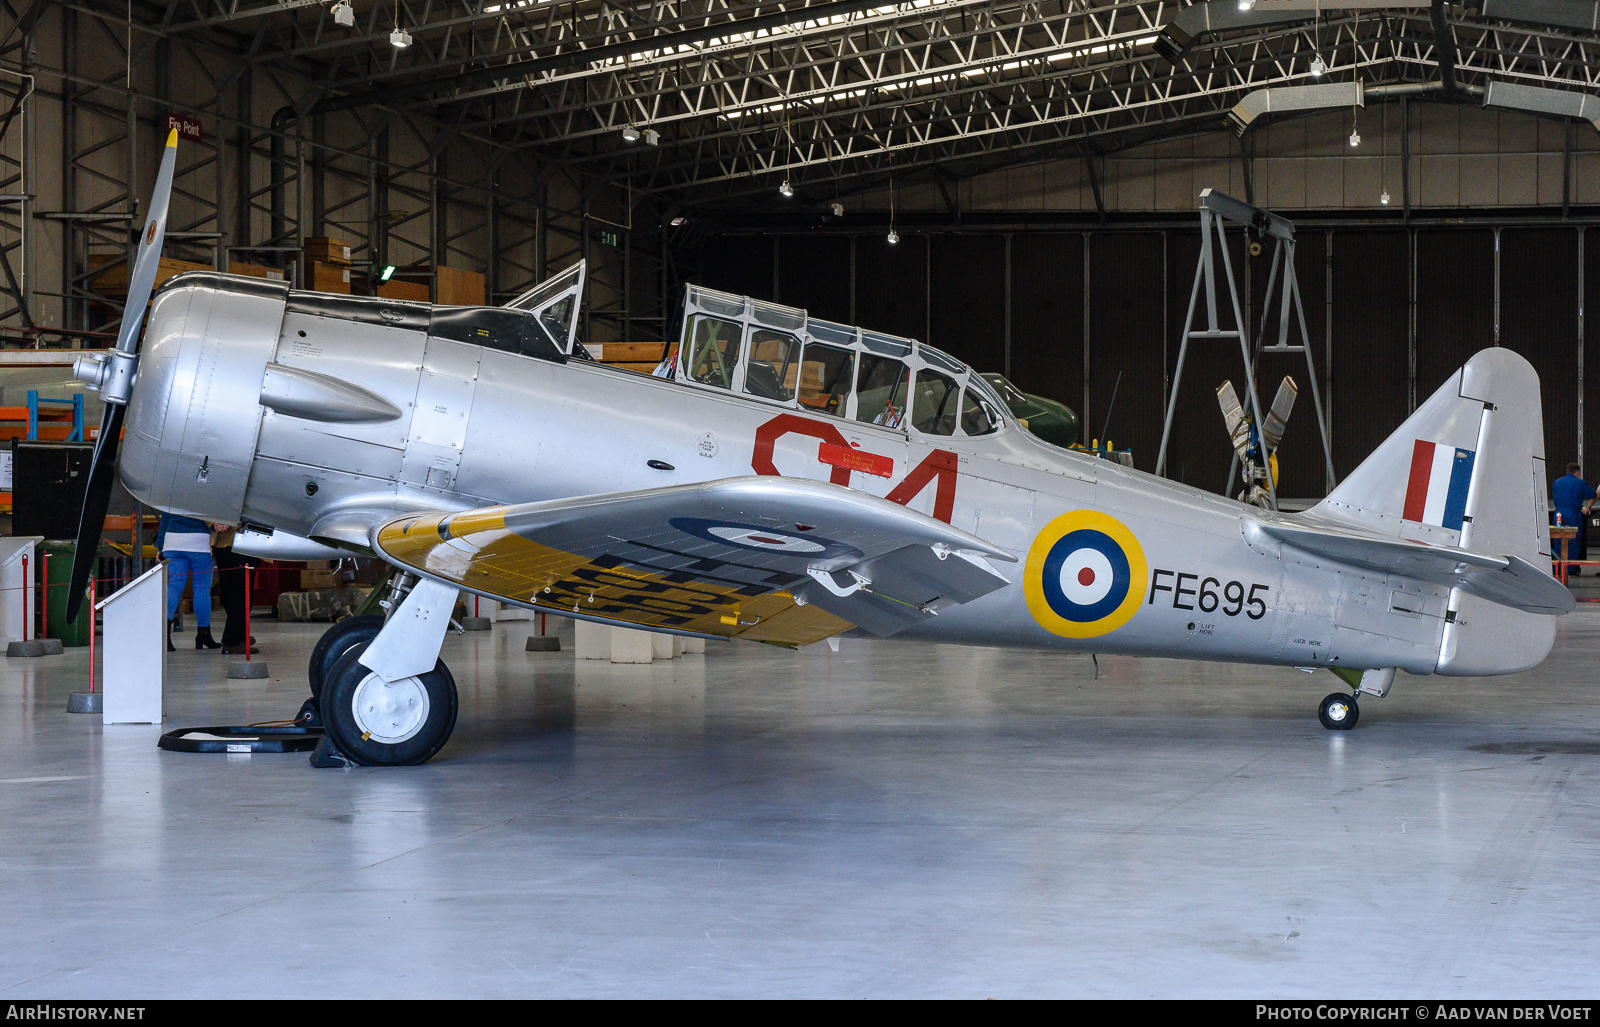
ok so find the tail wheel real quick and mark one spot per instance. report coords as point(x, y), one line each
point(378, 723)
point(1339, 712)
point(335, 642)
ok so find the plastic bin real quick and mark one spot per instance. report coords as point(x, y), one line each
point(57, 586)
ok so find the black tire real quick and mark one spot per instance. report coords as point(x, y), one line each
point(1339, 712)
point(337, 641)
point(358, 733)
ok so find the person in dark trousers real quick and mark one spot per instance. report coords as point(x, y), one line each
point(232, 584)
point(185, 544)
point(1573, 497)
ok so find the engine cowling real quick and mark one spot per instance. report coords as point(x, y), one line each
point(195, 413)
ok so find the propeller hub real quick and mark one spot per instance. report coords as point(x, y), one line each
point(111, 376)
point(91, 369)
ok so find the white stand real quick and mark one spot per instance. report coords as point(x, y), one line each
point(591, 641)
point(135, 655)
point(505, 611)
point(629, 645)
point(16, 611)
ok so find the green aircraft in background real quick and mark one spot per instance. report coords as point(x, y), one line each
point(1046, 419)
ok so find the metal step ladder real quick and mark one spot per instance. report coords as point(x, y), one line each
point(1216, 211)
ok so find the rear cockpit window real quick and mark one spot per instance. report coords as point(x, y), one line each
point(825, 377)
point(713, 351)
point(772, 365)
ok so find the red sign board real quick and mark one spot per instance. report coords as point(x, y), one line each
point(187, 125)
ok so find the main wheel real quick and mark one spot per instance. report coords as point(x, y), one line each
point(335, 642)
point(378, 723)
point(1339, 712)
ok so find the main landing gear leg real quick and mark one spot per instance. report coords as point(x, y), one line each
point(389, 700)
point(344, 636)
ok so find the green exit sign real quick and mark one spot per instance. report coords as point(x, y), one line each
point(608, 237)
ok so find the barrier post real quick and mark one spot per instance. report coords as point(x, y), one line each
point(44, 595)
point(247, 598)
point(91, 636)
point(27, 611)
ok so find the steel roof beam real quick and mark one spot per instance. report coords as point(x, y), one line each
point(599, 52)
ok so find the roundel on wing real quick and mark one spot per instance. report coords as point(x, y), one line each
point(764, 539)
point(1085, 575)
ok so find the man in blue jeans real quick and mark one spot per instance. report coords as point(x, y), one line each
point(185, 544)
point(1573, 497)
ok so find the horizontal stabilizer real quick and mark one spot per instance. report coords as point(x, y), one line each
point(1507, 580)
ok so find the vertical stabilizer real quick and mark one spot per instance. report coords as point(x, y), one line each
point(1467, 469)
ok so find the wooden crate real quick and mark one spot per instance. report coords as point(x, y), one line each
point(397, 290)
point(239, 267)
point(459, 288)
point(328, 277)
point(113, 281)
point(628, 352)
point(327, 250)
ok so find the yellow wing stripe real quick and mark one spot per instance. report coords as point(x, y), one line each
point(477, 551)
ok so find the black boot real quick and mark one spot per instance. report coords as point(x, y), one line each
point(170, 625)
point(203, 639)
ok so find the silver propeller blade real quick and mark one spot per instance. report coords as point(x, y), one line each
point(1233, 418)
point(114, 379)
point(1278, 416)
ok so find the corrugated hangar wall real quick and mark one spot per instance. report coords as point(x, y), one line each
point(407, 191)
point(1393, 306)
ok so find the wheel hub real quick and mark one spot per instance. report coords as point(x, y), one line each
point(1338, 711)
point(390, 712)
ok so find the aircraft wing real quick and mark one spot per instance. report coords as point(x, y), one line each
point(1507, 580)
point(767, 558)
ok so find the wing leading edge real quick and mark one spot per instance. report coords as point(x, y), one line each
point(764, 558)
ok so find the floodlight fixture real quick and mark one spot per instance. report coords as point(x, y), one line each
point(344, 14)
point(894, 237)
point(387, 273)
point(630, 134)
point(652, 137)
point(1318, 66)
point(838, 210)
point(786, 190)
point(1247, 5)
point(400, 38)
point(1384, 199)
point(1355, 138)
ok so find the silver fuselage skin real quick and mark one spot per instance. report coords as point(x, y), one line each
point(480, 427)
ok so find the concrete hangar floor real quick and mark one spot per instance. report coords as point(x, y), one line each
point(891, 820)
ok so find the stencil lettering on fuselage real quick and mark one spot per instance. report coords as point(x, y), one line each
point(1085, 575)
